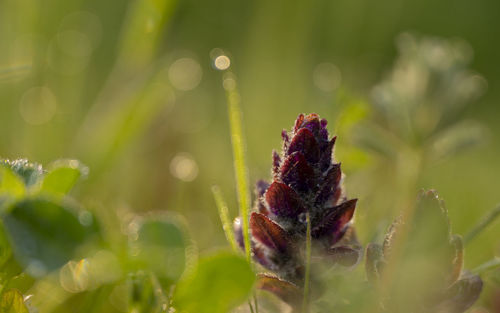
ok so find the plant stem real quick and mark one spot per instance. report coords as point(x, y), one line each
point(255, 303)
point(224, 217)
point(250, 306)
point(485, 222)
point(305, 300)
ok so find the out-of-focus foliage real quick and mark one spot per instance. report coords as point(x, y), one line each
point(129, 88)
point(217, 284)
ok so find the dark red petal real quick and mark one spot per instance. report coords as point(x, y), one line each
point(335, 220)
point(330, 186)
point(303, 141)
point(269, 233)
point(283, 201)
point(284, 290)
point(298, 122)
point(297, 173)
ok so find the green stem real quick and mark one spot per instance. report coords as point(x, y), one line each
point(250, 306)
point(305, 300)
point(255, 303)
point(224, 217)
point(487, 266)
point(485, 222)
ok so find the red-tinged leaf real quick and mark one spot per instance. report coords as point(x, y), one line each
point(297, 173)
point(269, 233)
point(303, 141)
point(334, 221)
point(283, 201)
point(284, 290)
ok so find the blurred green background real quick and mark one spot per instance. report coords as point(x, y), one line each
point(129, 88)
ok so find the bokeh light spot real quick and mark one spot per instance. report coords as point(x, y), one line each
point(184, 167)
point(38, 105)
point(75, 43)
point(327, 77)
point(185, 74)
point(222, 62)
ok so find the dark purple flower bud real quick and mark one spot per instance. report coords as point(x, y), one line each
point(305, 180)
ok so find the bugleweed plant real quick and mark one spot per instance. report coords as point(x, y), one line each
point(304, 202)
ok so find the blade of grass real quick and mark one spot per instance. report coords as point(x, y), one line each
point(487, 266)
point(224, 217)
point(305, 300)
point(237, 141)
point(483, 223)
point(240, 169)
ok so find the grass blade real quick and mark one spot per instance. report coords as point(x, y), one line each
point(237, 141)
point(224, 217)
point(487, 266)
point(483, 223)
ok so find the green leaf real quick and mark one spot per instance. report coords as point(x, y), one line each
point(44, 235)
point(13, 302)
point(158, 244)
point(10, 183)
point(220, 283)
point(62, 176)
